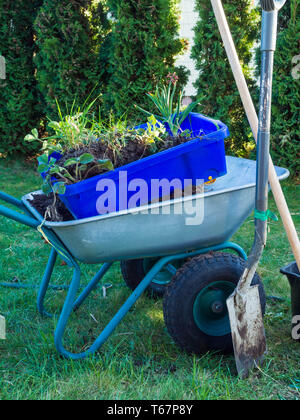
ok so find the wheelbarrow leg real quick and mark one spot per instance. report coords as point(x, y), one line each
point(72, 303)
point(92, 285)
point(115, 321)
point(46, 280)
point(45, 283)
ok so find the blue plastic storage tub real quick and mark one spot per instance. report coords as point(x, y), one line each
point(198, 160)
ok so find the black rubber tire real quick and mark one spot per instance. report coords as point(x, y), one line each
point(133, 273)
point(195, 275)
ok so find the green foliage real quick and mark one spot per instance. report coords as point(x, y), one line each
point(71, 132)
point(170, 114)
point(83, 131)
point(143, 48)
point(19, 101)
point(285, 134)
point(101, 27)
point(52, 168)
point(216, 88)
point(69, 37)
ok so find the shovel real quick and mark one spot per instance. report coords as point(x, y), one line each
point(245, 313)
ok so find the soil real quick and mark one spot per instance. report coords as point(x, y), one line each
point(131, 152)
point(44, 204)
point(55, 211)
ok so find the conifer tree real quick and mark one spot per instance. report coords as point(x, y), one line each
point(20, 109)
point(285, 133)
point(69, 36)
point(143, 48)
point(216, 88)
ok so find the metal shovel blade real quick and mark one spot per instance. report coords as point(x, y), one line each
point(247, 329)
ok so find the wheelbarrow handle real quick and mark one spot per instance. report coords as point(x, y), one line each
point(11, 200)
point(19, 217)
point(24, 219)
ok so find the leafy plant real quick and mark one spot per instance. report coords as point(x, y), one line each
point(49, 144)
point(71, 132)
point(57, 176)
point(82, 161)
point(170, 110)
point(154, 134)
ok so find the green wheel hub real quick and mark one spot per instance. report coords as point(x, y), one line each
point(165, 276)
point(210, 309)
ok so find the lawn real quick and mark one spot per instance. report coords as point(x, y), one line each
point(140, 361)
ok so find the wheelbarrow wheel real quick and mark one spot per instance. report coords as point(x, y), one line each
point(195, 309)
point(134, 271)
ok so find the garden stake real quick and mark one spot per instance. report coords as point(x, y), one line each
point(244, 306)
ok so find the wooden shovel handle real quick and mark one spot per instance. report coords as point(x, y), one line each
point(253, 120)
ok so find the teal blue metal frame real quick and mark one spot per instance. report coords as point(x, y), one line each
point(72, 302)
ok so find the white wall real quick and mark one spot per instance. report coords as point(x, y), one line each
point(188, 20)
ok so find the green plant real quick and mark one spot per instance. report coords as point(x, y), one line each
point(20, 102)
point(154, 135)
point(113, 130)
point(170, 112)
point(57, 176)
point(80, 163)
point(71, 132)
point(216, 88)
point(143, 48)
point(77, 132)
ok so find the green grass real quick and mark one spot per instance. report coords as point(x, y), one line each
point(140, 361)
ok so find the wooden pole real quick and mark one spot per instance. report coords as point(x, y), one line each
point(253, 121)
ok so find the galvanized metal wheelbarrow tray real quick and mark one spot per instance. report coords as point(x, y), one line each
point(168, 230)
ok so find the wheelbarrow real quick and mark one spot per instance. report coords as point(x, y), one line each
point(181, 241)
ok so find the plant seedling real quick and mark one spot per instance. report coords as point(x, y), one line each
point(60, 172)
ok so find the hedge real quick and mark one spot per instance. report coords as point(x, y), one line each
point(285, 135)
point(144, 45)
point(69, 35)
point(19, 99)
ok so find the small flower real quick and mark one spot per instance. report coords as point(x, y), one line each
point(173, 78)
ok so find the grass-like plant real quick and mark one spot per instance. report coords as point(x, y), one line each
point(70, 132)
point(170, 110)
